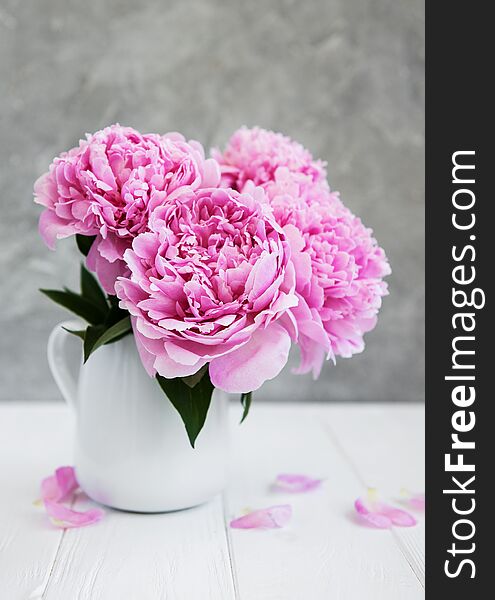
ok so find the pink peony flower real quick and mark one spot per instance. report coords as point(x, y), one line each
point(339, 265)
point(210, 283)
point(108, 186)
point(255, 154)
point(345, 286)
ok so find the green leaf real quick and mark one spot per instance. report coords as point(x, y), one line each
point(115, 332)
point(91, 290)
point(191, 403)
point(114, 301)
point(84, 243)
point(77, 304)
point(246, 403)
point(93, 333)
point(193, 380)
point(99, 335)
point(80, 333)
point(115, 313)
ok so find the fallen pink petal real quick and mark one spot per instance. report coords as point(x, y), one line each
point(415, 500)
point(273, 517)
point(296, 484)
point(373, 518)
point(66, 518)
point(61, 486)
point(381, 515)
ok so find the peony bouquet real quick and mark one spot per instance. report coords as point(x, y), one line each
point(215, 265)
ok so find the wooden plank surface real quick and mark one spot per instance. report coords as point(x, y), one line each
point(323, 553)
point(170, 556)
point(389, 460)
point(33, 442)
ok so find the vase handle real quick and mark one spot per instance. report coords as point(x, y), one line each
point(64, 359)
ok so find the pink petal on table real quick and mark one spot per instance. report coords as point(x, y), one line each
point(382, 515)
point(66, 518)
point(375, 519)
point(399, 517)
point(50, 489)
point(296, 483)
point(415, 500)
point(66, 480)
point(272, 517)
point(61, 486)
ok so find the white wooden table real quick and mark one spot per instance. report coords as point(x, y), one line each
point(324, 553)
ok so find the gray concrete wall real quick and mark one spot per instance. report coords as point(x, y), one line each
point(344, 77)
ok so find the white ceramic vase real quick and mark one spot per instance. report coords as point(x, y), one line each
point(131, 449)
